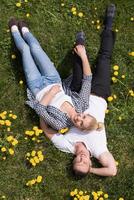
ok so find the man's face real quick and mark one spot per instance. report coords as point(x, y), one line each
point(82, 161)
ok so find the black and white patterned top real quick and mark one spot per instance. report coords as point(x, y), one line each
point(52, 115)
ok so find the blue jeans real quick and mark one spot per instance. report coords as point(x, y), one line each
point(38, 68)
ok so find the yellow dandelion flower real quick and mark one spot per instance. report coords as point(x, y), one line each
point(74, 13)
point(39, 179)
point(8, 30)
point(14, 116)
point(9, 138)
point(122, 76)
point(13, 56)
point(110, 98)
point(10, 115)
point(101, 198)
point(120, 118)
point(116, 163)
point(8, 129)
point(33, 181)
point(80, 14)
point(11, 151)
point(116, 30)
point(4, 158)
point(39, 153)
point(121, 198)
point(98, 27)
point(18, 4)
point(20, 82)
point(35, 128)
point(114, 96)
point(131, 53)
point(15, 142)
point(75, 198)
point(106, 196)
point(3, 149)
point(115, 67)
point(36, 159)
point(116, 73)
point(8, 122)
point(132, 19)
point(107, 111)
point(28, 154)
point(73, 9)
point(62, 4)
point(92, 22)
point(95, 8)
point(64, 130)
point(33, 138)
point(72, 193)
point(26, 1)
point(28, 15)
point(2, 122)
point(33, 153)
point(98, 21)
point(81, 193)
point(41, 157)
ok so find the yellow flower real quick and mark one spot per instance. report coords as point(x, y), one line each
point(14, 142)
point(33, 153)
point(3, 149)
point(106, 196)
point(116, 30)
point(114, 96)
point(41, 157)
point(39, 179)
point(110, 98)
point(98, 27)
point(28, 154)
point(2, 122)
point(98, 21)
point(26, 1)
point(73, 9)
point(9, 138)
point(123, 76)
point(116, 163)
point(27, 15)
point(33, 181)
point(116, 73)
point(4, 158)
point(107, 111)
point(18, 4)
point(14, 116)
point(132, 19)
point(80, 14)
point(92, 22)
point(11, 151)
point(20, 82)
point(121, 198)
point(75, 198)
point(7, 122)
point(72, 193)
point(64, 130)
point(62, 4)
point(74, 13)
point(36, 159)
point(131, 53)
point(80, 192)
point(120, 118)
point(115, 67)
point(101, 198)
point(39, 153)
point(35, 128)
point(8, 30)
point(13, 56)
point(33, 138)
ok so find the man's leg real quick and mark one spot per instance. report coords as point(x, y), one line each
point(45, 65)
point(32, 74)
point(101, 75)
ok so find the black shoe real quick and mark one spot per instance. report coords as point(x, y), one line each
point(22, 24)
point(12, 22)
point(80, 38)
point(110, 13)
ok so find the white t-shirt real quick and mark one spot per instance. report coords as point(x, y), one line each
point(58, 99)
point(95, 141)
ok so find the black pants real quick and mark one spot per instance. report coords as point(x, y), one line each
point(101, 79)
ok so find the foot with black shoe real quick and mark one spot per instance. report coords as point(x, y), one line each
point(80, 38)
point(23, 27)
point(110, 13)
point(13, 24)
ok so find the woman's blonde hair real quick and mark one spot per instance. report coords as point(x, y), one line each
point(94, 125)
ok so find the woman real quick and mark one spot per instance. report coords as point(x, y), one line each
point(59, 108)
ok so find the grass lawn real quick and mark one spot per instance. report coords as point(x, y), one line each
point(55, 26)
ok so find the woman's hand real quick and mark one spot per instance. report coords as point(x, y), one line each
point(81, 51)
point(55, 89)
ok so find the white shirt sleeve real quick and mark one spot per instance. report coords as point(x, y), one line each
point(62, 143)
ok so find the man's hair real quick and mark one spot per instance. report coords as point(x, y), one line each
point(79, 174)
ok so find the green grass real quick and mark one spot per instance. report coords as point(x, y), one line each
point(55, 28)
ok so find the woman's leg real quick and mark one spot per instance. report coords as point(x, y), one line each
point(101, 75)
point(45, 65)
point(32, 74)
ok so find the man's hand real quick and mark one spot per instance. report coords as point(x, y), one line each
point(81, 51)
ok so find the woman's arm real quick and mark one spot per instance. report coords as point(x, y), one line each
point(49, 132)
point(108, 163)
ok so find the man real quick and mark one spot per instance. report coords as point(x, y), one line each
point(92, 143)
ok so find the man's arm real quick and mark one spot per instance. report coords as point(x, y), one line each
point(108, 163)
